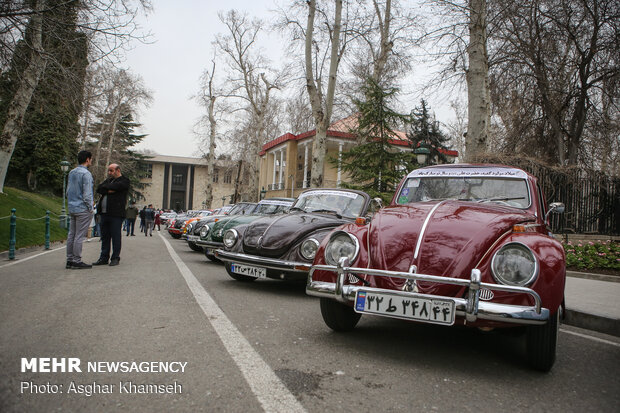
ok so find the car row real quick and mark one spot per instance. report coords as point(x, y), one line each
point(458, 244)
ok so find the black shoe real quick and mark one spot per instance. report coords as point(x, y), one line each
point(81, 265)
point(69, 264)
point(133, 235)
point(100, 262)
point(114, 261)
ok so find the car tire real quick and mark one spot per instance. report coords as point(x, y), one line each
point(238, 277)
point(175, 236)
point(337, 316)
point(542, 342)
point(194, 247)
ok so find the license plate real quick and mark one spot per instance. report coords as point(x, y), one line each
point(256, 272)
point(429, 310)
point(193, 238)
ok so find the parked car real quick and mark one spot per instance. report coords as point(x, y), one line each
point(195, 216)
point(458, 245)
point(166, 217)
point(192, 230)
point(211, 236)
point(283, 246)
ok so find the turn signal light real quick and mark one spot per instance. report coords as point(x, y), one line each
point(524, 228)
point(360, 221)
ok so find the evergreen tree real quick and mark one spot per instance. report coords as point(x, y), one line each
point(376, 165)
point(50, 130)
point(425, 132)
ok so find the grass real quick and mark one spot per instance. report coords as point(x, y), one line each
point(29, 205)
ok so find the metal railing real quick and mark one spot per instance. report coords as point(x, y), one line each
point(13, 230)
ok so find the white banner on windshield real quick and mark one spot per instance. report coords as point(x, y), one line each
point(328, 192)
point(469, 171)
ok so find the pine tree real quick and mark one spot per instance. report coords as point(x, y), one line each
point(425, 132)
point(376, 164)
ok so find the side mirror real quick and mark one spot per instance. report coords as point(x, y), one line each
point(555, 207)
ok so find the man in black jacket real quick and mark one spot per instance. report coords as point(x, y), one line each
point(111, 207)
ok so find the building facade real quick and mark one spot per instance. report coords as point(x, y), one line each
point(286, 161)
point(180, 183)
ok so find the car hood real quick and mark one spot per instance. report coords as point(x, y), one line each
point(217, 232)
point(272, 236)
point(456, 236)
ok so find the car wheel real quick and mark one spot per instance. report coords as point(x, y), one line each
point(337, 316)
point(175, 236)
point(542, 342)
point(194, 247)
point(238, 277)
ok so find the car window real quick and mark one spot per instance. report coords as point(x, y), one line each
point(268, 207)
point(344, 203)
point(504, 191)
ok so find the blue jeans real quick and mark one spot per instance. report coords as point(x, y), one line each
point(110, 232)
point(131, 223)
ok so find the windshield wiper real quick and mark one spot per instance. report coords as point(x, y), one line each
point(500, 199)
point(296, 209)
point(329, 211)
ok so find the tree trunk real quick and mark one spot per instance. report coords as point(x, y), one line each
point(386, 44)
point(479, 112)
point(211, 155)
point(21, 100)
point(321, 110)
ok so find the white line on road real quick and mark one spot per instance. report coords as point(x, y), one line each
point(31, 257)
point(266, 386)
point(600, 340)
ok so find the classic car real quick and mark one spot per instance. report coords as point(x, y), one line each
point(192, 228)
point(211, 236)
point(166, 217)
point(283, 246)
point(459, 244)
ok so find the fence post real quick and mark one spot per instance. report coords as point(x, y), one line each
point(12, 235)
point(47, 230)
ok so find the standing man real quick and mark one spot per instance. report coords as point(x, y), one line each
point(80, 203)
point(131, 214)
point(111, 207)
point(149, 217)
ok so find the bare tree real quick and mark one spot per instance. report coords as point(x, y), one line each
point(108, 26)
point(251, 79)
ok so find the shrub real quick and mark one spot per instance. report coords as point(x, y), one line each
point(592, 255)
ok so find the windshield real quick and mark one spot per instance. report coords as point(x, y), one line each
point(242, 209)
point(346, 204)
point(268, 207)
point(503, 191)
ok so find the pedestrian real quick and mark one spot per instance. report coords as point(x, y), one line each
point(142, 219)
point(157, 222)
point(80, 203)
point(111, 206)
point(131, 214)
point(149, 217)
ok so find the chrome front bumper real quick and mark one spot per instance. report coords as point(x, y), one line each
point(471, 307)
point(257, 261)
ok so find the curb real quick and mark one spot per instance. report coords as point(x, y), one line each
point(592, 276)
point(592, 322)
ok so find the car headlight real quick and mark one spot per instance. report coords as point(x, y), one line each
point(230, 237)
point(514, 264)
point(204, 231)
point(341, 244)
point(309, 248)
point(190, 227)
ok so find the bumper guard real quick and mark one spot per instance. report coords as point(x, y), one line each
point(271, 263)
point(471, 307)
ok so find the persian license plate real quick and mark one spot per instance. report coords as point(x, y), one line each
point(430, 310)
point(256, 272)
point(193, 238)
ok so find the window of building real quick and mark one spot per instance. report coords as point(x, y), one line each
point(177, 179)
point(147, 170)
point(228, 177)
point(216, 177)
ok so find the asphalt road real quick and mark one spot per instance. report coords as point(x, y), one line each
point(262, 346)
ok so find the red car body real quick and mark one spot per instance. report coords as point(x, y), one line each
point(443, 250)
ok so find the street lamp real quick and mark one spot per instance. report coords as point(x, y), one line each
point(422, 154)
point(262, 193)
point(64, 167)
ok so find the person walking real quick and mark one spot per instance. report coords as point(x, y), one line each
point(142, 219)
point(157, 222)
point(111, 207)
point(130, 215)
point(80, 205)
point(149, 217)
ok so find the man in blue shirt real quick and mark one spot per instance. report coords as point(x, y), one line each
point(80, 202)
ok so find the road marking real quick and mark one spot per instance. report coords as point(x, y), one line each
point(17, 261)
point(600, 340)
point(266, 386)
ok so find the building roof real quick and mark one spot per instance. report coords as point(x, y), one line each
point(341, 129)
point(185, 160)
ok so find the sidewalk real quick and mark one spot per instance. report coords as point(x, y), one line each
point(592, 302)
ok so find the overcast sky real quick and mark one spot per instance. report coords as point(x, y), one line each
point(183, 31)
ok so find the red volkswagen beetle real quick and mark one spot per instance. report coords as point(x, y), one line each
point(458, 244)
